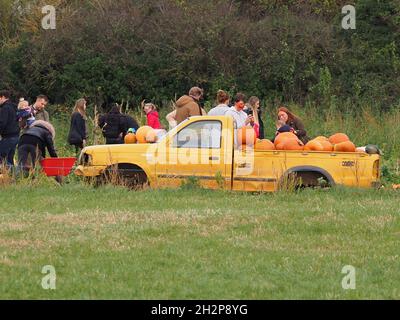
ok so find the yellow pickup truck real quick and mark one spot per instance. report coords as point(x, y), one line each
point(204, 149)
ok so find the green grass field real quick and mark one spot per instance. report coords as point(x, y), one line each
point(111, 243)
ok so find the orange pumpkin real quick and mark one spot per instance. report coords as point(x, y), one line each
point(141, 134)
point(314, 145)
point(283, 136)
point(338, 138)
point(293, 145)
point(326, 145)
point(264, 145)
point(151, 136)
point(130, 138)
point(280, 146)
point(346, 146)
point(321, 138)
point(247, 136)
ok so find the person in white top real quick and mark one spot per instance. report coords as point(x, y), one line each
point(237, 113)
point(222, 108)
point(171, 118)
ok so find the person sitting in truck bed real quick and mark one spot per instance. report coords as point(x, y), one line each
point(285, 117)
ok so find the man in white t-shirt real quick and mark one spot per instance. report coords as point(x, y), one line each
point(237, 113)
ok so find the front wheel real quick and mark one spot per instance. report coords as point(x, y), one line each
point(127, 175)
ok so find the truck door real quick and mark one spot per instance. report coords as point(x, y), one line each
point(197, 152)
point(257, 170)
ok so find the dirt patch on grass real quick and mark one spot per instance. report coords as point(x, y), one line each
point(381, 221)
point(5, 261)
point(18, 244)
point(14, 226)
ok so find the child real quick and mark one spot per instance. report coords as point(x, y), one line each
point(153, 119)
point(25, 114)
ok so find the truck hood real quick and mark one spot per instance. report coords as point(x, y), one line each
point(121, 148)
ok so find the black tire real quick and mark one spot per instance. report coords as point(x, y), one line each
point(294, 181)
point(127, 175)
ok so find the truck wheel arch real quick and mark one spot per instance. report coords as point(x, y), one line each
point(129, 174)
point(310, 172)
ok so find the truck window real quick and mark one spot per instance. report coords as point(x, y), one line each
point(201, 134)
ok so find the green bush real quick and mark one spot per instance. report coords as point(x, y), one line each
point(277, 50)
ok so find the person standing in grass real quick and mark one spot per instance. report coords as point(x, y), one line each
point(153, 119)
point(9, 129)
point(131, 122)
point(33, 143)
point(189, 105)
point(254, 108)
point(114, 125)
point(78, 130)
point(171, 118)
point(39, 108)
point(223, 101)
point(236, 112)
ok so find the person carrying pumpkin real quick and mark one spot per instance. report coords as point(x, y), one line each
point(287, 118)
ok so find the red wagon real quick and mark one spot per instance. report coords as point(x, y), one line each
point(54, 167)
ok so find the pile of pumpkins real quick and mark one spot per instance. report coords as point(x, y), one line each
point(288, 141)
point(144, 134)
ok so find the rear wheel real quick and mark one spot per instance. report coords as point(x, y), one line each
point(300, 180)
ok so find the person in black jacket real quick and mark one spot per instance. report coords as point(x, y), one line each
point(114, 126)
point(9, 129)
point(78, 132)
point(131, 122)
point(33, 143)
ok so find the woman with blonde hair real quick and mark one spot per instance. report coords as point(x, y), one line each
point(254, 108)
point(78, 132)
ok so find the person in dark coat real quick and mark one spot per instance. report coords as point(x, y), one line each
point(285, 117)
point(33, 143)
point(78, 131)
point(114, 126)
point(131, 122)
point(9, 129)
